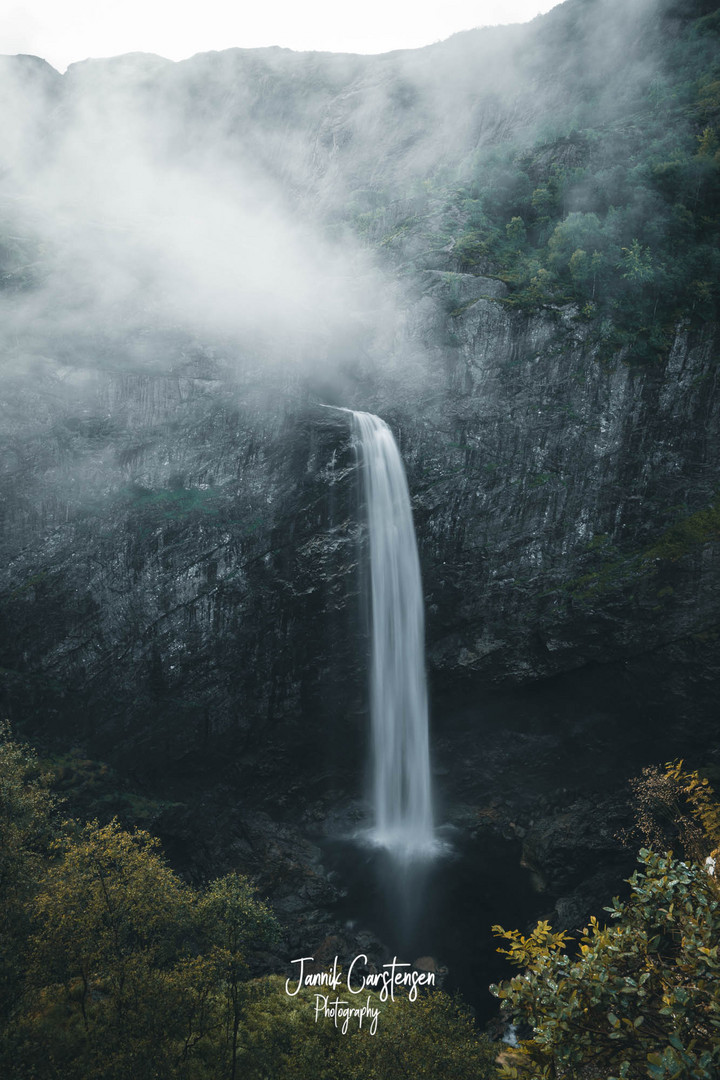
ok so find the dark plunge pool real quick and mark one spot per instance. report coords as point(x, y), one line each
point(442, 908)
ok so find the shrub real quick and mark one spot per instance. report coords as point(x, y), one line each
point(641, 997)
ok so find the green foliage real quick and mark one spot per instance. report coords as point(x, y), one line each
point(470, 249)
point(233, 921)
point(111, 966)
point(114, 969)
point(576, 231)
point(617, 211)
point(280, 1037)
point(27, 823)
point(703, 802)
point(92, 789)
point(142, 969)
point(111, 921)
point(687, 534)
point(665, 817)
point(641, 998)
point(637, 263)
point(676, 806)
point(26, 816)
point(516, 232)
point(431, 1037)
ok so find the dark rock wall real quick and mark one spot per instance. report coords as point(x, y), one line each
point(544, 486)
point(181, 571)
point(182, 548)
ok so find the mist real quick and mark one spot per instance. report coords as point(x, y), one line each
point(135, 232)
point(263, 222)
point(213, 198)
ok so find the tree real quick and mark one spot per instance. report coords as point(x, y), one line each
point(708, 145)
point(280, 1036)
point(110, 966)
point(516, 233)
point(577, 231)
point(640, 999)
point(233, 921)
point(637, 263)
point(112, 929)
point(545, 202)
point(27, 825)
point(431, 1037)
point(676, 808)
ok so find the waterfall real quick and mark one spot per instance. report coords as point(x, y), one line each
point(400, 747)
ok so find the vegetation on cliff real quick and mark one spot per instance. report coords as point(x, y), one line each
point(112, 967)
point(617, 212)
point(641, 997)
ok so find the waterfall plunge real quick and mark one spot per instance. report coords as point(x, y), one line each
point(400, 748)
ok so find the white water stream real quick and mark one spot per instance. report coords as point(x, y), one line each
point(402, 790)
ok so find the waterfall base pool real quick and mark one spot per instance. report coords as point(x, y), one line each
point(442, 909)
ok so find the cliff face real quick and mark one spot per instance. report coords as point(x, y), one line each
point(569, 515)
point(183, 599)
point(183, 548)
point(179, 568)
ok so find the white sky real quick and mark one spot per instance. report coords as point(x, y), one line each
point(63, 31)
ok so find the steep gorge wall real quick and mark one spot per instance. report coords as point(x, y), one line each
point(569, 515)
point(182, 549)
point(180, 570)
